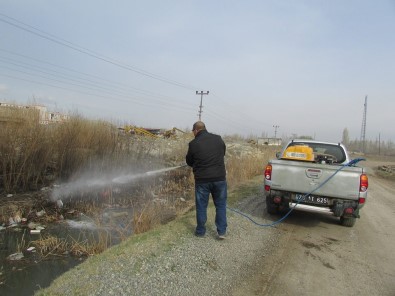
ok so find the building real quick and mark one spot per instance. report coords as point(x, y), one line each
point(270, 141)
point(8, 114)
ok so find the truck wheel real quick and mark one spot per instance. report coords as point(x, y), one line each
point(271, 208)
point(347, 221)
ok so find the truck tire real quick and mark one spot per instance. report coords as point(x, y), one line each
point(348, 221)
point(271, 208)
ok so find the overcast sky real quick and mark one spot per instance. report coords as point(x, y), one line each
point(304, 66)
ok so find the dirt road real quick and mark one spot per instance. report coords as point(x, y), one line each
point(317, 256)
point(307, 254)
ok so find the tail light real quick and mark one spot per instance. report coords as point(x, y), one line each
point(268, 172)
point(268, 175)
point(361, 200)
point(363, 183)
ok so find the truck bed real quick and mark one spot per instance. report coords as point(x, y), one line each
point(304, 177)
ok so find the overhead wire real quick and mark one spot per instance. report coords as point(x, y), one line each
point(96, 85)
point(92, 85)
point(33, 30)
point(236, 125)
point(239, 121)
point(128, 99)
point(240, 112)
point(114, 83)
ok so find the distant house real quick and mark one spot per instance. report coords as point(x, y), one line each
point(270, 141)
point(43, 116)
point(15, 114)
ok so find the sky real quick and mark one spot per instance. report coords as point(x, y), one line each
point(272, 68)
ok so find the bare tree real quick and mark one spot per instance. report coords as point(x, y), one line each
point(346, 138)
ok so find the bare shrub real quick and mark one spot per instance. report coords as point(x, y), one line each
point(80, 142)
point(25, 150)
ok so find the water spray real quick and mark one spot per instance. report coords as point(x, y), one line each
point(102, 182)
point(128, 178)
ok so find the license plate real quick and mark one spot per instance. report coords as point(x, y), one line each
point(312, 199)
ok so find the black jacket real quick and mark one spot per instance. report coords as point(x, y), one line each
point(206, 156)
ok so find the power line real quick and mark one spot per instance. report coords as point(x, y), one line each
point(35, 31)
point(25, 27)
point(91, 85)
point(109, 82)
point(111, 97)
point(65, 80)
point(240, 114)
point(237, 126)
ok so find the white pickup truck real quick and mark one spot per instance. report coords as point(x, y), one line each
point(316, 175)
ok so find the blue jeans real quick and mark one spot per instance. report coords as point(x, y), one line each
point(218, 191)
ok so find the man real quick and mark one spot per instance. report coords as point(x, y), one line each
point(206, 156)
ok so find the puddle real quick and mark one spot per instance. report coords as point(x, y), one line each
point(24, 278)
point(27, 274)
point(22, 272)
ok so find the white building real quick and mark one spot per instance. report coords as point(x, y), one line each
point(44, 116)
point(270, 141)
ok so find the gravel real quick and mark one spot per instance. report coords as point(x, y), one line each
point(188, 265)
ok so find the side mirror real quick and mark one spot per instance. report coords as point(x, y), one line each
point(278, 155)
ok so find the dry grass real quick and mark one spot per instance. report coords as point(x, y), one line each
point(145, 219)
point(50, 245)
point(23, 151)
point(34, 155)
point(90, 247)
point(240, 169)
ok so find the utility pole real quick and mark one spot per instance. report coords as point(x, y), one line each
point(275, 130)
point(379, 143)
point(201, 101)
point(363, 129)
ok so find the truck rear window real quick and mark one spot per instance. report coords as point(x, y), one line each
point(325, 152)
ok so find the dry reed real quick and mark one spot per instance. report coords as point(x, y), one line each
point(34, 155)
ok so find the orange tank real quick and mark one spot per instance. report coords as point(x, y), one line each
point(299, 152)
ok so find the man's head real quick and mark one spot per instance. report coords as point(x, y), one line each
point(197, 127)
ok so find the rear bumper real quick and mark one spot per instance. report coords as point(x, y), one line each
point(310, 208)
point(335, 206)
